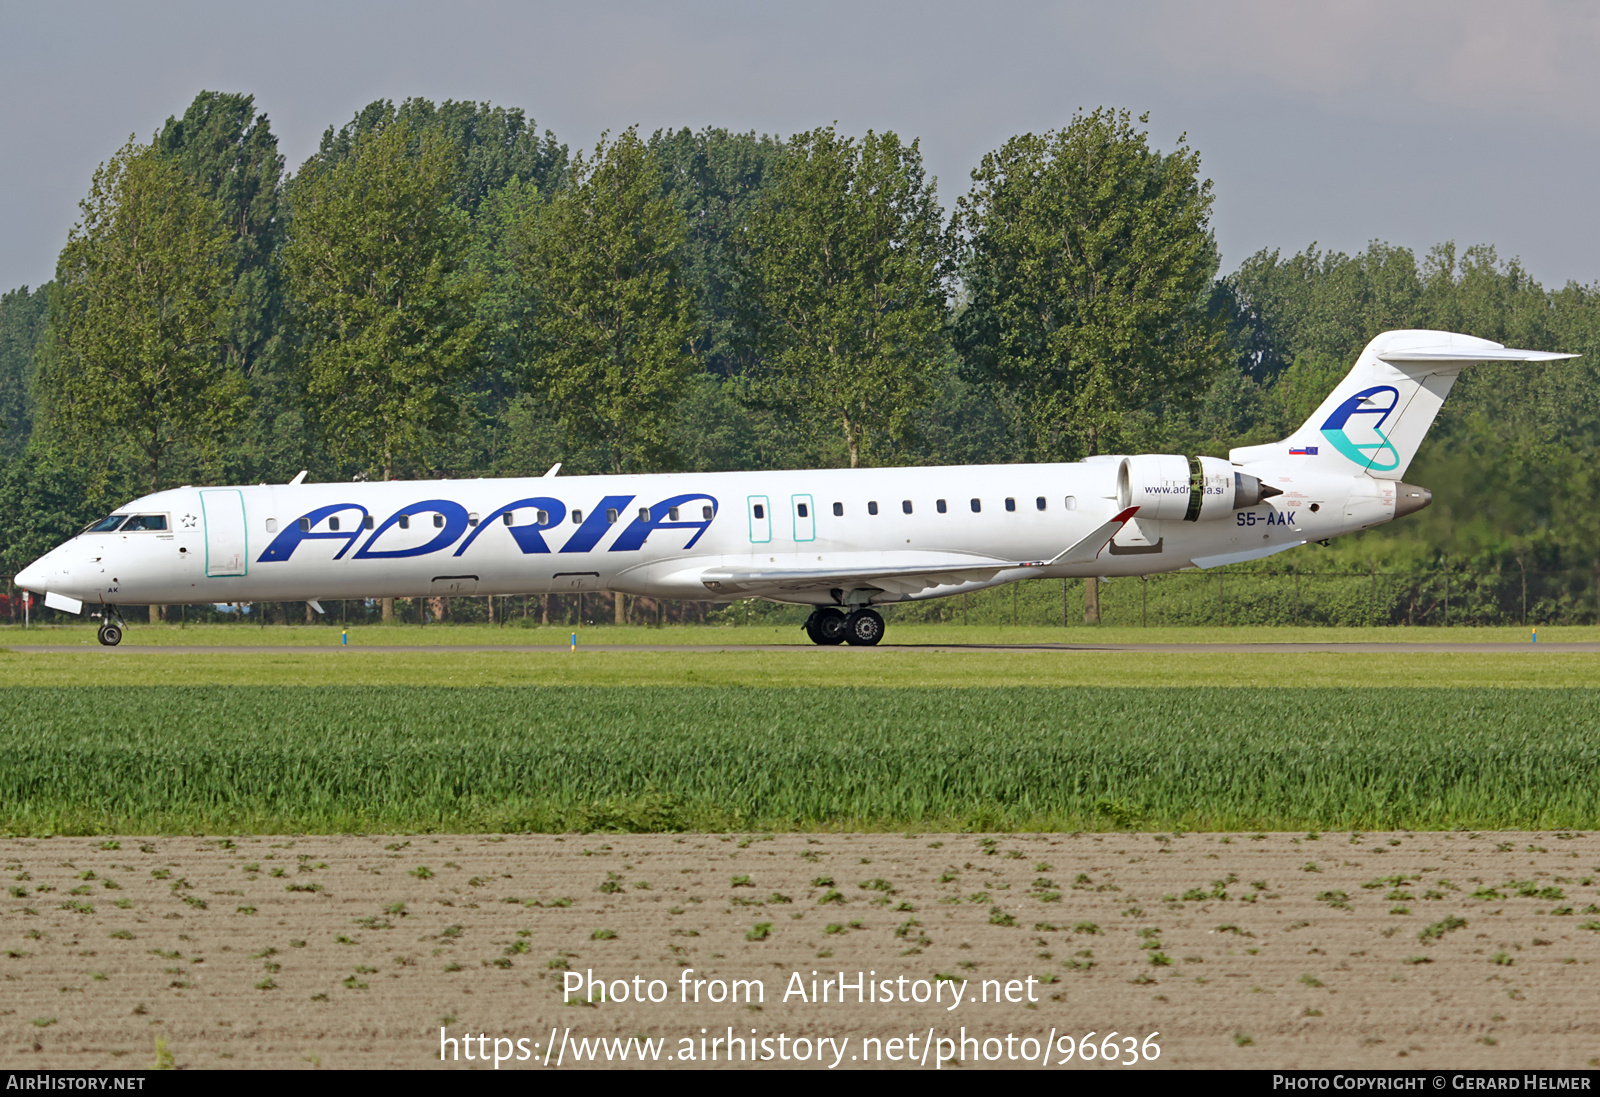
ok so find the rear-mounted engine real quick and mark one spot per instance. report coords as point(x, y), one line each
point(1171, 487)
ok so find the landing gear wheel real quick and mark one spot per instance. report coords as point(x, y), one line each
point(863, 627)
point(110, 635)
point(826, 626)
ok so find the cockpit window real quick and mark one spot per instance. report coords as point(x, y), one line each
point(145, 522)
point(106, 525)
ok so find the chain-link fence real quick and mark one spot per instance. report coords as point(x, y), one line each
point(1441, 595)
point(1435, 595)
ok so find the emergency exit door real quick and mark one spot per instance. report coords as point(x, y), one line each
point(760, 519)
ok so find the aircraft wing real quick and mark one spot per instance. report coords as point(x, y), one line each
point(906, 578)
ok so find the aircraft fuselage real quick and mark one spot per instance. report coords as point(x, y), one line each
point(661, 535)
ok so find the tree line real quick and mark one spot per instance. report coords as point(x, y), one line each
point(445, 290)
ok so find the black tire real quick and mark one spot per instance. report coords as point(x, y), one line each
point(825, 626)
point(110, 635)
point(863, 628)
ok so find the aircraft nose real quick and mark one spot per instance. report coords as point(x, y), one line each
point(32, 577)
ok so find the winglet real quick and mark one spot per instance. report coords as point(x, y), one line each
point(1088, 550)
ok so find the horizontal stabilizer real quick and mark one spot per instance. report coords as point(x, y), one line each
point(1460, 358)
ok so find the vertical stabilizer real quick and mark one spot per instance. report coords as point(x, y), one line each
point(1376, 418)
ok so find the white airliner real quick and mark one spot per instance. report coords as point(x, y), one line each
point(839, 540)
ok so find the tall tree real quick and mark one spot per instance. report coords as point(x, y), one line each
point(376, 264)
point(141, 288)
point(843, 258)
point(22, 329)
point(1320, 305)
point(231, 155)
point(493, 144)
point(615, 316)
point(715, 178)
point(1087, 266)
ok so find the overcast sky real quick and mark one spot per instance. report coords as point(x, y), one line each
point(1339, 123)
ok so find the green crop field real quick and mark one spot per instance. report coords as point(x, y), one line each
point(242, 759)
point(802, 667)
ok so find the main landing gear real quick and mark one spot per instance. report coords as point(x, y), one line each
point(827, 625)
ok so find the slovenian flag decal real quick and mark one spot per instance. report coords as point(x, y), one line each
point(1303, 451)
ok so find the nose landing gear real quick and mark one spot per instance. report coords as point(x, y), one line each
point(110, 633)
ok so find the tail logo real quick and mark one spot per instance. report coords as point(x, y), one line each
point(1361, 439)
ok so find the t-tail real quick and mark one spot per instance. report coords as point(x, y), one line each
point(1376, 418)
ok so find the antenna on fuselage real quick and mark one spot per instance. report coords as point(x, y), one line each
point(555, 468)
point(298, 478)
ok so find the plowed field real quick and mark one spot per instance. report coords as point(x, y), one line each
point(1281, 950)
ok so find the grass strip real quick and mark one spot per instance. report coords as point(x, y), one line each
point(558, 636)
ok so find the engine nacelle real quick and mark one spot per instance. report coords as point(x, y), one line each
point(1170, 487)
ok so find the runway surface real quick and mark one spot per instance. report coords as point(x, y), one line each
point(1585, 647)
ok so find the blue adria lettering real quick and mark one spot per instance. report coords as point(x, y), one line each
point(285, 543)
point(547, 516)
point(455, 523)
point(526, 535)
point(638, 530)
point(599, 521)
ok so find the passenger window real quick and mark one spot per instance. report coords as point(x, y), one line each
point(644, 514)
point(508, 516)
point(405, 521)
point(438, 521)
point(977, 506)
point(838, 510)
point(939, 506)
point(1039, 503)
point(333, 524)
point(1011, 504)
point(672, 514)
point(802, 510)
point(472, 520)
point(611, 515)
point(577, 517)
point(272, 525)
point(760, 511)
point(305, 525)
point(905, 505)
point(705, 512)
point(368, 522)
point(1072, 502)
point(872, 507)
point(542, 517)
